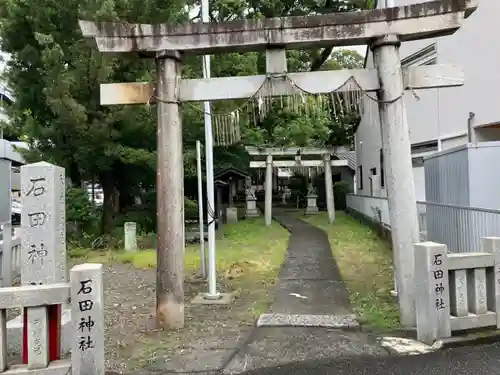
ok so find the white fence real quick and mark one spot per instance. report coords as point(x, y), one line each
point(461, 228)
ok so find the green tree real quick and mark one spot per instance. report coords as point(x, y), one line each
point(55, 78)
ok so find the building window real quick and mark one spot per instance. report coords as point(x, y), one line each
point(425, 56)
point(382, 171)
point(373, 171)
point(417, 162)
point(360, 177)
point(429, 146)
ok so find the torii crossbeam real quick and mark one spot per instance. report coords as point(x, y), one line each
point(382, 29)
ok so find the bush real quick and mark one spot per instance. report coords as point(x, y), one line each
point(190, 209)
point(340, 191)
point(145, 215)
point(81, 215)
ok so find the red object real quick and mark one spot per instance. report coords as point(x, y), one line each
point(54, 318)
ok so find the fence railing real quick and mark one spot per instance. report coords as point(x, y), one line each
point(85, 294)
point(16, 259)
point(456, 292)
point(461, 228)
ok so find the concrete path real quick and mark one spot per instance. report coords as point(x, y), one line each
point(309, 270)
point(310, 308)
point(479, 360)
point(310, 290)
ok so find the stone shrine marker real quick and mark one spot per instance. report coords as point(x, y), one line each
point(43, 250)
point(87, 312)
point(43, 224)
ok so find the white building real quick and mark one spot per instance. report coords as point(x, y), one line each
point(438, 118)
point(6, 99)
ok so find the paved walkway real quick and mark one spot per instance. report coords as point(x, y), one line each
point(480, 360)
point(310, 307)
point(309, 283)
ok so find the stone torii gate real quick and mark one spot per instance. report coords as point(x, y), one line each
point(382, 29)
point(324, 155)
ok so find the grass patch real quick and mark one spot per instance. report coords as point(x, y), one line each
point(249, 256)
point(365, 262)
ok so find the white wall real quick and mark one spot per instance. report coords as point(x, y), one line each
point(419, 178)
point(441, 114)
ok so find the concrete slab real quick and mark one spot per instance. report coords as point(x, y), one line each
point(319, 297)
point(201, 299)
point(297, 320)
point(406, 346)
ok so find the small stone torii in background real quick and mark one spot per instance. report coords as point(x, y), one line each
point(297, 153)
point(382, 29)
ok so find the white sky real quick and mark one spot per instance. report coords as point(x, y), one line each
point(359, 49)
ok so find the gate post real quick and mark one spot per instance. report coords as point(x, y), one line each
point(399, 171)
point(170, 193)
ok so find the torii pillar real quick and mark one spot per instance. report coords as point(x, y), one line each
point(268, 190)
point(398, 166)
point(170, 193)
point(330, 201)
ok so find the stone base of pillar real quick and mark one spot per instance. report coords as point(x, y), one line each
point(251, 209)
point(231, 215)
point(312, 206)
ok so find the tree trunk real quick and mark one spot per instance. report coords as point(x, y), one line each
point(109, 204)
point(75, 175)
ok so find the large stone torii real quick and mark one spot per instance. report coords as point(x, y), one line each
point(382, 29)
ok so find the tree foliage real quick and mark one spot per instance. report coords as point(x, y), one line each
point(55, 76)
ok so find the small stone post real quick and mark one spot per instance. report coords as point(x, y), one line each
point(170, 194)
point(43, 246)
point(432, 292)
point(87, 313)
point(231, 211)
point(251, 201)
point(330, 201)
point(269, 190)
point(312, 199)
point(130, 230)
point(398, 165)
point(492, 245)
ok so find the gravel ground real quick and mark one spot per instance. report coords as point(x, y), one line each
point(133, 342)
point(210, 335)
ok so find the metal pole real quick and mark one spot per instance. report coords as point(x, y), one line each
point(209, 160)
point(200, 210)
point(470, 128)
point(6, 217)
